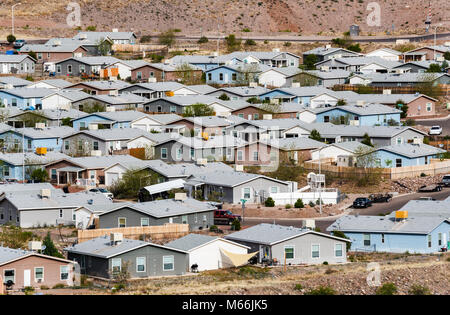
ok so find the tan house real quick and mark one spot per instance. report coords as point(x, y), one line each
point(22, 268)
point(162, 72)
point(55, 53)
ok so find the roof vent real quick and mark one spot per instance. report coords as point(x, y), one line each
point(46, 193)
point(180, 196)
point(116, 238)
point(90, 201)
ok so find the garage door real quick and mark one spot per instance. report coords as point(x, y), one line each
point(112, 178)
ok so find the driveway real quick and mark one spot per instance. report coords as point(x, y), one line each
point(444, 123)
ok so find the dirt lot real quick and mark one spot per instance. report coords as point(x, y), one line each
point(430, 271)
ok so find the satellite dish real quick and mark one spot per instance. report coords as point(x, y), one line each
point(43, 247)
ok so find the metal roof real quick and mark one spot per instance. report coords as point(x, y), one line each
point(412, 150)
point(191, 241)
point(31, 158)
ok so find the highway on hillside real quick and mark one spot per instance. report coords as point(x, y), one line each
point(376, 209)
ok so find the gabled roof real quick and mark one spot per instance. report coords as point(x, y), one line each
point(272, 234)
point(45, 133)
point(244, 91)
point(230, 179)
point(301, 91)
point(24, 92)
point(329, 75)
point(65, 47)
point(184, 170)
point(93, 60)
point(193, 241)
point(412, 150)
point(114, 134)
point(14, 58)
point(14, 81)
point(102, 162)
point(349, 146)
point(105, 85)
point(300, 143)
point(158, 86)
point(73, 95)
point(102, 247)
point(9, 255)
point(285, 71)
point(324, 51)
point(388, 50)
point(96, 36)
point(17, 159)
point(57, 83)
point(226, 141)
point(374, 224)
point(360, 110)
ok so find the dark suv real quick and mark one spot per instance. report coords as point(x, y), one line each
point(362, 203)
point(225, 217)
point(446, 180)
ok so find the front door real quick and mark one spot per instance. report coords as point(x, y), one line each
point(26, 277)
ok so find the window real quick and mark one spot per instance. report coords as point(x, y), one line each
point(64, 272)
point(39, 274)
point(173, 109)
point(9, 274)
point(168, 263)
point(338, 250)
point(273, 189)
point(382, 238)
point(255, 116)
point(289, 252)
point(192, 153)
point(241, 115)
point(439, 239)
point(399, 140)
point(95, 145)
point(429, 240)
point(184, 219)
point(164, 153)
point(60, 213)
point(429, 107)
point(69, 68)
point(366, 239)
point(122, 222)
point(5, 170)
point(152, 74)
point(246, 193)
point(234, 76)
point(82, 69)
point(145, 222)
point(58, 68)
point(326, 119)
point(315, 251)
point(92, 174)
point(80, 145)
point(240, 155)
point(116, 265)
point(14, 101)
point(179, 153)
point(140, 264)
point(221, 76)
point(139, 75)
point(209, 76)
point(66, 144)
point(398, 162)
point(255, 155)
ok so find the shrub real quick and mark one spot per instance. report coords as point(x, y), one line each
point(250, 42)
point(423, 175)
point(44, 287)
point(11, 38)
point(28, 290)
point(213, 228)
point(287, 44)
point(299, 204)
point(50, 248)
point(321, 291)
point(298, 287)
point(91, 28)
point(388, 288)
point(418, 289)
point(288, 206)
point(325, 262)
point(236, 225)
point(203, 40)
point(269, 202)
point(58, 286)
point(311, 204)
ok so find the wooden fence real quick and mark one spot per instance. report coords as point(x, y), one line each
point(435, 167)
point(149, 233)
point(444, 89)
point(443, 144)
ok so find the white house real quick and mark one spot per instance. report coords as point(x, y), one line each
point(210, 252)
point(278, 77)
point(63, 99)
point(385, 53)
point(333, 151)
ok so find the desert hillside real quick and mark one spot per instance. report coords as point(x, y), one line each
point(307, 17)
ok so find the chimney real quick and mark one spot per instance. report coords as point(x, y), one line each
point(116, 238)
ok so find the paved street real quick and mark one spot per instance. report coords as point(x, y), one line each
point(444, 123)
point(376, 209)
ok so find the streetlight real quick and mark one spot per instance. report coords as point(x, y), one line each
point(12, 15)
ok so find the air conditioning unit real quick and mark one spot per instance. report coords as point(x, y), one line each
point(387, 92)
point(151, 80)
point(440, 59)
point(93, 127)
point(274, 101)
point(327, 46)
point(325, 68)
point(116, 238)
point(309, 224)
point(360, 103)
point(295, 84)
point(253, 84)
point(267, 116)
point(180, 196)
point(417, 141)
point(40, 126)
point(215, 54)
point(46, 193)
point(239, 167)
point(34, 245)
point(202, 161)
point(114, 93)
point(57, 43)
point(354, 122)
point(83, 36)
point(96, 153)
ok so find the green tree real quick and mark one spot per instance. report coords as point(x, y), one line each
point(401, 105)
point(366, 140)
point(310, 61)
point(269, 202)
point(50, 248)
point(428, 85)
point(388, 288)
point(67, 122)
point(91, 28)
point(434, 68)
point(224, 97)
point(14, 237)
point(315, 135)
point(188, 74)
point(341, 102)
point(232, 43)
point(39, 175)
point(250, 42)
point(299, 204)
point(203, 40)
point(236, 225)
point(342, 235)
point(11, 38)
point(197, 110)
point(94, 108)
point(32, 54)
point(167, 38)
point(103, 47)
point(447, 55)
point(355, 48)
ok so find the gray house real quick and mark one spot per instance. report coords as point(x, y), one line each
point(75, 66)
point(328, 52)
point(199, 215)
point(291, 246)
point(16, 64)
point(103, 257)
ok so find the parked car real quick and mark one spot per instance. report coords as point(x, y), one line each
point(225, 217)
point(104, 191)
point(380, 197)
point(430, 188)
point(362, 203)
point(446, 180)
point(435, 130)
point(19, 43)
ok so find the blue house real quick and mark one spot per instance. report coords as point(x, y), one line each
point(300, 95)
point(400, 155)
point(119, 119)
point(416, 234)
point(234, 73)
point(12, 163)
point(24, 98)
point(360, 115)
point(13, 140)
